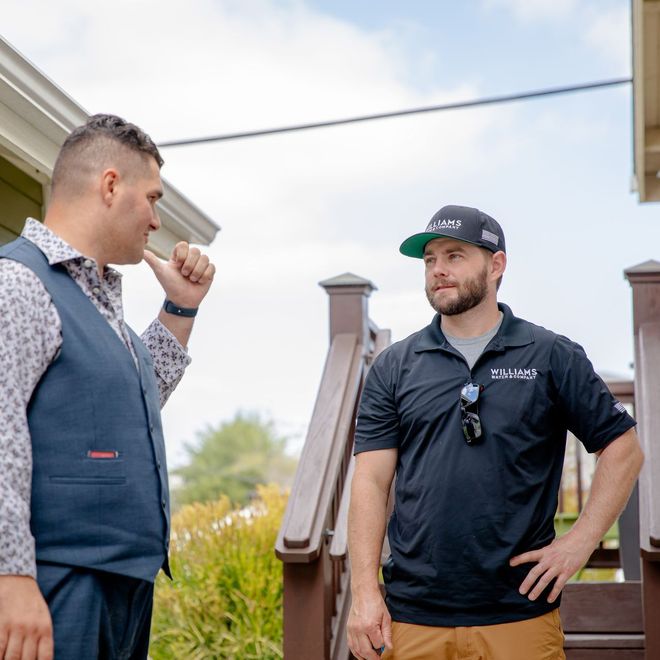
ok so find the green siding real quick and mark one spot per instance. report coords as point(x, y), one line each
point(20, 197)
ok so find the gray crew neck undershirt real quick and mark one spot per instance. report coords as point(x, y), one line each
point(472, 347)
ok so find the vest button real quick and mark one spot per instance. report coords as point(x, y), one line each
point(151, 428)
point(164, 504)
point(159, 464)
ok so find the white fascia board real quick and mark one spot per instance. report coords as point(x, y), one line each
point(35, 118)
point(36, 115)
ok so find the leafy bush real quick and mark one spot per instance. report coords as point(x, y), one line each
point(226, 597)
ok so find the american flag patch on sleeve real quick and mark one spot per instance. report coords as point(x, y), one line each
point(620, 407)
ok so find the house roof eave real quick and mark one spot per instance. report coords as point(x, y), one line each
point(36, 116)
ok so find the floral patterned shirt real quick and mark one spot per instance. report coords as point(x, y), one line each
point(30, 338)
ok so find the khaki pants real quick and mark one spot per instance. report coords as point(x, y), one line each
point(540, 638)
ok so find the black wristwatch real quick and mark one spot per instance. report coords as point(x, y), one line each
point(171, 308)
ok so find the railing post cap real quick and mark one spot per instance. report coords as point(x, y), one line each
point(346, 280)
point(649, 268)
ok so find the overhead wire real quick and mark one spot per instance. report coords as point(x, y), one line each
point(491, 100)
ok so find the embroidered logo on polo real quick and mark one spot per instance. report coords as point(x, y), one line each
point(513, 374)
point(444, 223)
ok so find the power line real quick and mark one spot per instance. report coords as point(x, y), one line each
point(551, 91)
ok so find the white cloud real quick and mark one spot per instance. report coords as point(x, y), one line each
point(603, 26)
point(535, 10)
point(608, 33)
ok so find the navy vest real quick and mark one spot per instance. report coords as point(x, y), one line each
point(99, 483)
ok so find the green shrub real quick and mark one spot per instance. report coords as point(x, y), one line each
point(226, 597)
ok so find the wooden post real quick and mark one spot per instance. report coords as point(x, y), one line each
point(645, 282)
point(349, 310)
point(306, 610)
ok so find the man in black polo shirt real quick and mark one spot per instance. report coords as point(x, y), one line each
point(471, 413)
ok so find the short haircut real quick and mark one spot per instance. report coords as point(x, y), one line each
point(95, 145)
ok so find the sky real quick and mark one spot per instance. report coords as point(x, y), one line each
point(298, 208)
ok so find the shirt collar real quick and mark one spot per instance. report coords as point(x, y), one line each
point(56, 249)
point(512, 332)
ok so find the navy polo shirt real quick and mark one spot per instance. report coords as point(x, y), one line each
point(461, 512)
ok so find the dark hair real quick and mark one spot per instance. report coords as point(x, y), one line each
point(94, 140)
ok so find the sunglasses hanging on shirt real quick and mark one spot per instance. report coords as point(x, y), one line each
point(470, 412)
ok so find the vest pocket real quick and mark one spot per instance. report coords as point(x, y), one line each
point(89, 481)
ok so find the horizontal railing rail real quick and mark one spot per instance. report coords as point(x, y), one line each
point(339, 546)
point(306, 517)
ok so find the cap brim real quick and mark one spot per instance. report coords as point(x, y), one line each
point(414, 246)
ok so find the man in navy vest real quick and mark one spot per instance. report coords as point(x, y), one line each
point(84, 502)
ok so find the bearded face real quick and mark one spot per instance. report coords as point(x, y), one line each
point(461, 296)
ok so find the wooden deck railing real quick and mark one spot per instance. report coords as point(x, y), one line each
point(312, 547)
point(573, 492)
point(620, 550)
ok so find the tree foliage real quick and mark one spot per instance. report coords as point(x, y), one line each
point(231, 459)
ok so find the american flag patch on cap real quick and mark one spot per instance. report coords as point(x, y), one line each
point(489, 236)
point(620, 407)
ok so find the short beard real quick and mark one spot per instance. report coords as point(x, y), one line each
point(470, 294)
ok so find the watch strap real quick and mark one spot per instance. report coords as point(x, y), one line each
point(171, 308)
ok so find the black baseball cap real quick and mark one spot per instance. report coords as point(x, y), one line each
point(462, 223)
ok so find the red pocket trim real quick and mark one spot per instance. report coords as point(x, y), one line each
point(95, 453)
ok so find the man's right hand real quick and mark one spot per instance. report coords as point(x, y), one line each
point(26, 630)
point(369, 627)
